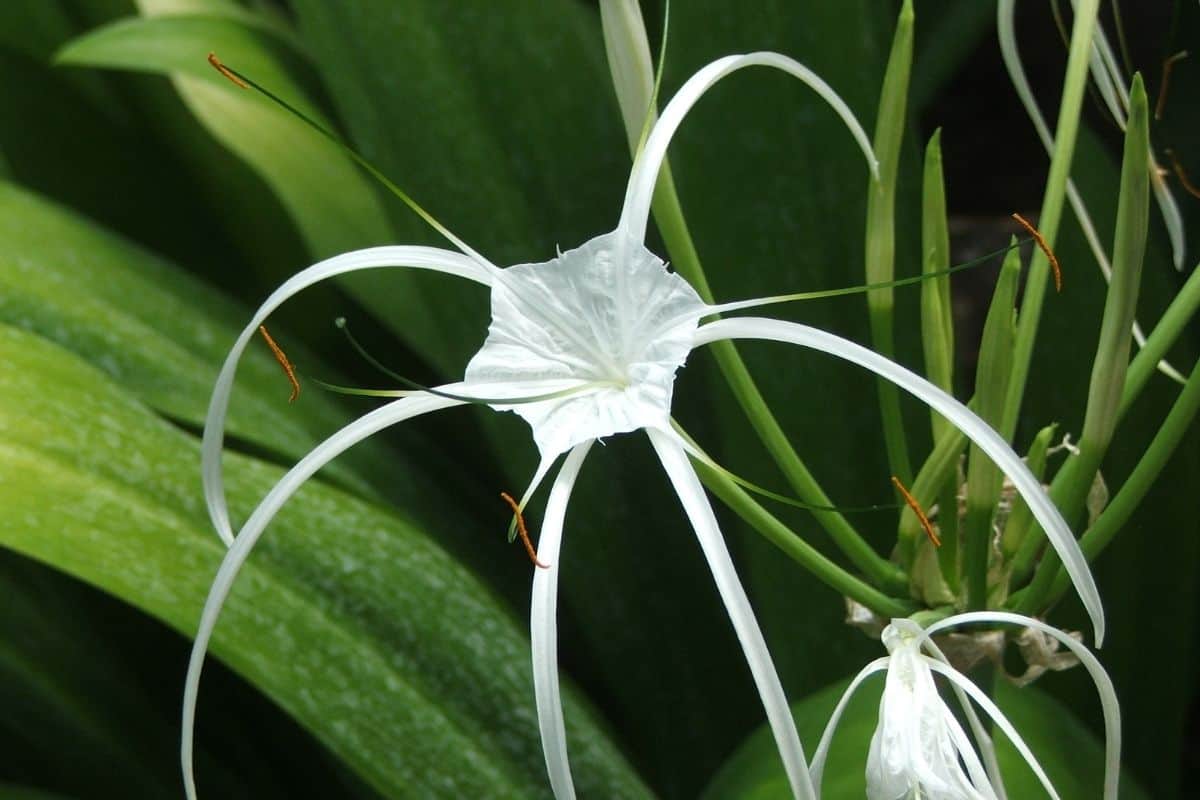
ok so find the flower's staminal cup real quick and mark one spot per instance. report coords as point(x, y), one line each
point(595, 337)
point(919, 749)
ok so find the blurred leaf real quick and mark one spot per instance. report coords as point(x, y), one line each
point(351, 619)
point(1071, 754)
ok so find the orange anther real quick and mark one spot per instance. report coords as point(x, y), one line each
point(916, 508)
point(1165, 83)
point(1188, 186)
point(282, 358)
point(1041, 242)
point(524, 534)
point(226, 71)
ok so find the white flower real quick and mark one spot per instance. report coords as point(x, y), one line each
point(587, 345)
point(920, 750)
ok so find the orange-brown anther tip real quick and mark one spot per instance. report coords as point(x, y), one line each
point(226, 71)
point(522, 531)
point(282, 358)
point(916, 509)
point(1045, 247)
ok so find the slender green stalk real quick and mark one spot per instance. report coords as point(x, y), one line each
point(1066, 134)
point(937, 322)
point(1135, 488)
point(1072, 483)
point(984, 478)
point(796, 548)
point(881, 232)
point(1172, 323)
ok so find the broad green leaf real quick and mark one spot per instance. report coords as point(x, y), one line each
point(351, 619)
point(1072, 755)
point(147, 324)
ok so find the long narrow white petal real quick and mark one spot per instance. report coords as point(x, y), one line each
point(630, 63)
point(817, 768)
point(543, 632)
point(998, 718)
point(1104, 688)
point(239, 550)
point(700, 513)
point(978, 431)
point(430, 258)
point(644, 175)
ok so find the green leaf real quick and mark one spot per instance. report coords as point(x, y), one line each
point(1071, 754)
point(395, 657)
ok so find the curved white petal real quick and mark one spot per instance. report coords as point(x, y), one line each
point(1109, 704)
point(430, 258)
point(644, 175)
point(700, 513)
point(543, 633)
point(978, 431)
point(239, 550)
point(1001, 721)
point(817, 768)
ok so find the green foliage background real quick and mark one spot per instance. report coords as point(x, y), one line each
point(145, 208)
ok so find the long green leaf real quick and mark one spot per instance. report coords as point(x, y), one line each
point(352, 620)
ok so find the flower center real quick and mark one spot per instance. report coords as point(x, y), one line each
point(611, 317)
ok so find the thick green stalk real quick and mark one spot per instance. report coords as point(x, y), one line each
point(1070, 487)
point(629, 58)
point(937, 338)
point(796, 548)
point(1052, 205)
point(984, 478)
point(1172, 323)
point(669, 216)
point(881, 232)
point(1135, 488)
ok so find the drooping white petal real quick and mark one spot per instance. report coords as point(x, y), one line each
point(563, 320)
point(700, 513)
point(543, 631)
point(817, 768)
point(978, 431)
point(917, 744)
point(1109, 704)
point(430, 258)
point(983, 739)
point(644, 175)
point(998, 717)
point(239, 550)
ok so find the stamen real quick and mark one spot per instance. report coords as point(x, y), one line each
point(226, 71)
point(1041, 242)
point(916, 508)
point(282, 358)
point(1165, 83)
point(1188, 186)
point(521, 531)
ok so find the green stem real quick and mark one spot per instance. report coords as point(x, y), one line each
point(796, 548)
point(880, 247)
point(1173, 321)
point(1052, 206)
point(669, 216)
point(1132, 492)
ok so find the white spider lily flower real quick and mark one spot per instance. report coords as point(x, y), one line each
point(919, 748)
point(584, 346)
